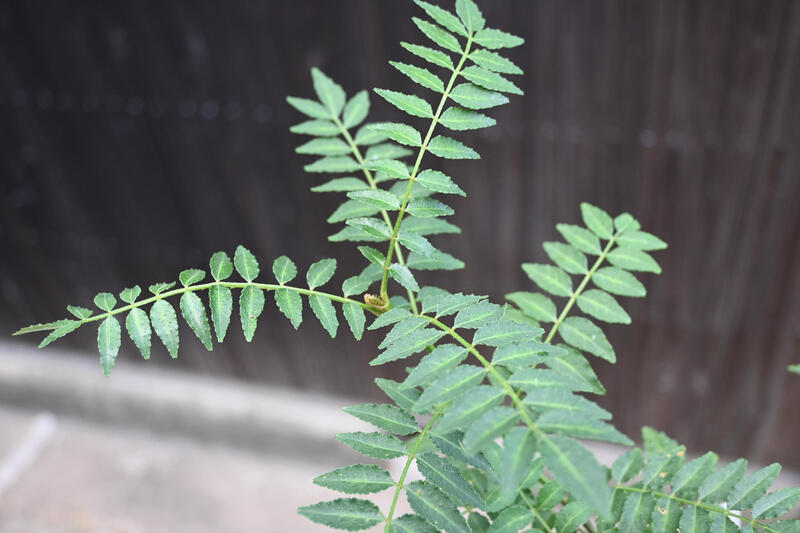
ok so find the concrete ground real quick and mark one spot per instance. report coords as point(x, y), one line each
point(165, 452)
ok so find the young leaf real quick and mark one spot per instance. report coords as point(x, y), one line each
point(450, 386)
point(81, 313)
point(356, 479)
point(439, 36)
point(354, 315)
point(494, 39)
point(430, 55)
point(633, 259)
point(550, 278)
point(376, 198)
point(127, 295)
point(356, 110)
point(535, 305)
point(402, 275)
point(602, 306)
point(583, 334)
point(581, 238)
point(375, 445)
point(470, 15)
point(194, 313)
point(221, 266)
point(447, 478)
point(105, 301)
point(597, 220)
point(577, 468)
point(618, 281)
point(490, 425)
point(435, 507)
point(317, 128)
point(625, 223)
point(109, 338)
point(329, 92)
point(387, 417)
point(158, 288)
point(448, 148)
point(641, 240)
point(138, 326)
point(246, 263)
point(443, 17)
point(489, 80)
point(350, 514)
point(191, 276)
point(401, 133)
point(325, 312)
point(251, 304)
point(421, 75)
point(320, 273)
point(460, 119)
point(308, 107)
point(165, 323)
point(495, 62)
point(284, 269)
point(220, 300)
point(413, 105)
point(566, 257)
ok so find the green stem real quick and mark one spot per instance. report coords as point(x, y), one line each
point(373, 185)
point(413, 176)
point(707, 507)
point(410, 458)
point(580, 288)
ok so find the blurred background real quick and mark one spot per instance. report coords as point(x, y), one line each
point(140, 137)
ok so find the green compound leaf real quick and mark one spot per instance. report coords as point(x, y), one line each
point(430, 55)
point(459, 119)
point(641, 240)
point(572, 516)
point(561, 399)
point(371, 226)
point(375, 445)
point(775, 503)
point(440, 360)
point(402, 329)
point(443, 17)
point(716, 487)
point(549, 278)
point(105, 301)
point(550, 495)
point(570, 362)
point(437, 181)
point(165, 323)
point(251, 304)
point(158, 288)
point(356, 110)
point(109, 338)
point(581, 238)
point(408, 345)
point(414, 243)
point(448, 148)
point(470, 15)
point(385, 416)
point(220, 300)
point(402, 275)
point(689, 476)
point(489, 80)
point(636, 513)
point(320, 273)
point(401, 133)
point(694, 520)
point(354, 315)
point(633, 259)
point(478, 314)
point(449, 386)
point(452, 303)
point(435, 507)
point(517, 464)
point(376, 198)
point(533, 379)
point(356, 479)
point(439, 36)
point(317, 128)
point(422, 76)
point(194, 312)
point(284, 269)
point(127, 295)
point(410, 523)
point(333, 164)
point(352, 209)
point(405, 398)
point(618, 281)
point(581, 426)
point(81, 313)
point(626, 223)
point(566, 257)
point(428, 207)
point(386, 151)
point(366, 137)
point(495, 62)
point(521, 354)
point(350, 514)
point(324, 146)
point(583, 334)
point(469, 407)
point(329, 92)
point(494, 39)
point(138, 326)
point(602, 306)
point(246, 263)
point(505, 332)
point(473, 97)
point(490, 425)
point(346, 184)
point(221, 266)
point(535, 305)
point(597, 220)
point(627, 465)
point(413, 105)
point(291, 305)
point(723, 524)
point(752, 487)
point(577, 468)
point(666, 515)
point(308, 107)
point(389, 167)
point(325, 312)
point(440, 473)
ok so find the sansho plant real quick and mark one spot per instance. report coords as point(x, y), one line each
point(493, 404)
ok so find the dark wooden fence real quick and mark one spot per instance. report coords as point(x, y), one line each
point(140, 137)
